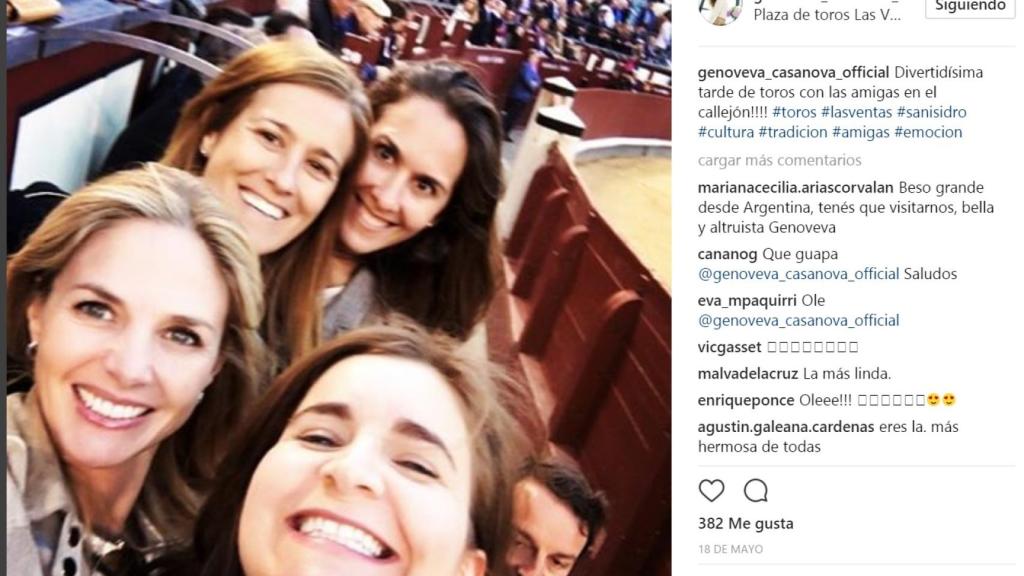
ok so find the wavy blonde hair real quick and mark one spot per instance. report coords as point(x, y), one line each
point(186, 461)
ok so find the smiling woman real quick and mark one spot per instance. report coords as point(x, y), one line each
point(279, 161)
point(416, 234)
point(377, 445)
point(383, 452)
point(134, 309)
point(277, 135)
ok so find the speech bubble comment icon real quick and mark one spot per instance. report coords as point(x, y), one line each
point(756, 490)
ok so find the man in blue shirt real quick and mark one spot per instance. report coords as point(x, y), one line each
point(523, 91)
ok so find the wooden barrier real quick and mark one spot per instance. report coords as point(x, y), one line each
point(412, 31)
point(596, 331)
point(563, 260)
point(495, 68)
point(543, 179)
point(367, 50)
point(598, 79)
point(614, 113)
point(572, 71)
point(460, 34)
point(550, 217)
point(435, 32)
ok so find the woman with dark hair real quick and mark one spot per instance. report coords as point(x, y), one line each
point(385, 451)
point(135, 310)
point(416, 232)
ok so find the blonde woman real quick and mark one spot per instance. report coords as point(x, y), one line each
point(134, 309)
point(277, 136)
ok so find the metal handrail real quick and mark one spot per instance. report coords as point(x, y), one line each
point(136, 42)
point(198, 25)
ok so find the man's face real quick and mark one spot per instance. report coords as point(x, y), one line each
point(548, 538)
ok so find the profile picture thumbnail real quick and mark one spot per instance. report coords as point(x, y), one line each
point(720, 12)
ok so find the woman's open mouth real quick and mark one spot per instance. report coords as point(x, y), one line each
point(108, 412)
point(262, 205)
point(342, 533)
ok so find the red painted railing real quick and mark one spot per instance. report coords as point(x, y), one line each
point(614, 113)
point(596, 331)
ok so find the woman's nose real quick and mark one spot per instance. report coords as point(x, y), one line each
point(284, 174)
point(387, 193)
point(356, 467)
point(130, 358)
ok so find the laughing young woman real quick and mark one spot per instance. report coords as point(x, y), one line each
point(277, 135)
point(416, 232)
point(383, 452)
point(135, 306)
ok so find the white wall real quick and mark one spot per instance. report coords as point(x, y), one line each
point(66, 140)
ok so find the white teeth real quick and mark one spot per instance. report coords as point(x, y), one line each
point(108, 409)
point(262, 206)
point(348, 536)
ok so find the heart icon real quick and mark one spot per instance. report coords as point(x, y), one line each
point(711, 489)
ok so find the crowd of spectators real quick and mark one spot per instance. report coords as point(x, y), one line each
point(633, 31)
point(639, 30)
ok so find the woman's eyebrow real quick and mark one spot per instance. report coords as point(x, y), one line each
point(396, 151)
point(319, 150)
point(337, 409)
point(277, 124)
point(99, 291)
point(109, 296)
point(193, 322)
point(387, 142)
point(324, 154)
point(417, 431)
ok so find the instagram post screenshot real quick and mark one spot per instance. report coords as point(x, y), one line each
point(848, 197)
point(354, 287)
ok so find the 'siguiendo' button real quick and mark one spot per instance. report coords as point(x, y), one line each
point(971, 9)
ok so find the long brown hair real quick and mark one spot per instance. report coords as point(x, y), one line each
point(498, 445)
point(444, 277)
point(295, 273)
point(185, 462)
